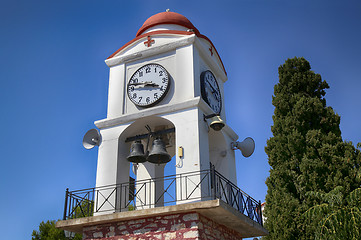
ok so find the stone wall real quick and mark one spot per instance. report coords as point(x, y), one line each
point(189, 226)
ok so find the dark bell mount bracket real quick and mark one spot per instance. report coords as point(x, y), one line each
point(146, 135)
point(209, 116)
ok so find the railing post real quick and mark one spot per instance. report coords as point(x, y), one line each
point(93, 200)
point(181, 189)
point(66, 203)
point(260, 212)
point(213, 181)
point(96, 202)
point(118, 198)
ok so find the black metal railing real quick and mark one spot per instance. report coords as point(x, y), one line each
point(165, 191)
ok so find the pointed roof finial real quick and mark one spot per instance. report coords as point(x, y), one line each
point(167, 10)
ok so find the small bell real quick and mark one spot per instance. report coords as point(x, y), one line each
point(137, 153)
point(159, 154)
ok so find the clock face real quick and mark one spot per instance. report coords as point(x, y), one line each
point(148, 85)
point(210, 91)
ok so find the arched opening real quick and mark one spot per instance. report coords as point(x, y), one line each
point(149, 193)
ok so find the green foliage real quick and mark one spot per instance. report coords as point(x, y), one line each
point(131, 207)
point(48, 231)
point(338, 217)
point(306, 152)
point(84, 208)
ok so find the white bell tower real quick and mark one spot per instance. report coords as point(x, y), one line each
point(166, 100)
point(168, 77)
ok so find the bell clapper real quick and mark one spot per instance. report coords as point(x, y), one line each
point(135, 168)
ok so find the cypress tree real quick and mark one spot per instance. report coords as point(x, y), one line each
point(306, 152)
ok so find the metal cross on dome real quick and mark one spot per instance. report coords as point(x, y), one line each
point(149, 42)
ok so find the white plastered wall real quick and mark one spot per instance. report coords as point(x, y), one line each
point(201, 145)
point(191, 135)
point(116, 92)
point(112, 169)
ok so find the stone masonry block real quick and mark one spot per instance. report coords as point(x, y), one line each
point(191, 234)
point(191, 217)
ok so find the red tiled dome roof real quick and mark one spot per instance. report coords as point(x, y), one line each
point(167, 18)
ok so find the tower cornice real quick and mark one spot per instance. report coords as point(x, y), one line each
point(116, 59)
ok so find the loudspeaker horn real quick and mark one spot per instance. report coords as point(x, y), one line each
point(91, 138)
point(246, 146)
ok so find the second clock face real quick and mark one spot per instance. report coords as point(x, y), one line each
point(210, 91)
point(148, 85)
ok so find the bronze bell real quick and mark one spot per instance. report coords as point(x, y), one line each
point(137, 153)
point(159, 154)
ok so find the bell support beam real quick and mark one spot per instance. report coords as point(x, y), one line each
point(144, 136)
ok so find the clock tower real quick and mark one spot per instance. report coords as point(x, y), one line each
point(168, 77)
point(165, 100)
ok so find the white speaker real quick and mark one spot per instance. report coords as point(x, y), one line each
point(91, 138)
point(246, 146)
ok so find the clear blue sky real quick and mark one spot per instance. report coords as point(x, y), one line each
point(54, 83)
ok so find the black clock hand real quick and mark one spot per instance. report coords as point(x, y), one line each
point(151, 84)
point(213, 90)
point(145, 84)
point(136, 84)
